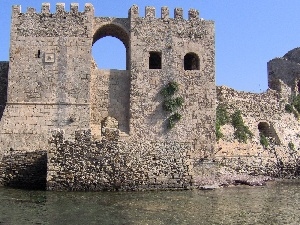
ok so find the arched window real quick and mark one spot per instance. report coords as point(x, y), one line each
point(263, 128)
point(191, 61)
point(154, 60)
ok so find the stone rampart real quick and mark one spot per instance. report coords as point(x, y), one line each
point(85, 165)
point(24, 170)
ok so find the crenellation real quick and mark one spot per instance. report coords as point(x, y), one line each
point(193, 14)
point(165, 13)
point(149, 12)
point(60, 8)
point(74, 8)
point(16, 9)
point(89, 9)
point(178, 13)
point(133, 12)
point(31, 10)
point(45, 8)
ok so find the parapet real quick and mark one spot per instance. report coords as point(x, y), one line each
point(60, 9)
point(150, 13)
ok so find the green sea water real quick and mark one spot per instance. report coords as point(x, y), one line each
point(276, 203)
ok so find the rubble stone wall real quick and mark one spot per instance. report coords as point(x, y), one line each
point(87, 165)
point(24, 170)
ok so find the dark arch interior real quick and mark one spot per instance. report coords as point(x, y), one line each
point(114, 31)
point(264, 129)
point(191, 61)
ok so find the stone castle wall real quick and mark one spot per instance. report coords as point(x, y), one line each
point(24, 170)
point(110, 90)
point(172, 38)
point(86, 165)
point(4, 66)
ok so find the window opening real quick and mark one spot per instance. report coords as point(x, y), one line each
point(155, 60)
point(191, 61)
point(39, 54)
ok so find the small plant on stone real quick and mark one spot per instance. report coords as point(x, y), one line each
point(288, 108)
point(222, 118)
point(241, 131)
point(172, 104)
point(173, 119)
point(264, 141)
point(291, 146)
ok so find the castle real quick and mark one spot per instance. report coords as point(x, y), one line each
point(93, 129)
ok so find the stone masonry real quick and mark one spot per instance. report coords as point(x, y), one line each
point(54, 84)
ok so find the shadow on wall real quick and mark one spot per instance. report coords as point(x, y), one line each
point(24, 170)
point(119, 94)
point(3, 86)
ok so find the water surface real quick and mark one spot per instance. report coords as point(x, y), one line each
point(276, 203)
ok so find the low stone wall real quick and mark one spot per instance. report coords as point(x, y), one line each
point(85, 165)
point(24, 170)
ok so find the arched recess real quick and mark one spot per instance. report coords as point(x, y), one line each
point(268, 131)
point(116, 31)
point(110, 89)
point(191, 61)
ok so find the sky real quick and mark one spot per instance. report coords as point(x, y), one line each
point(249, 33)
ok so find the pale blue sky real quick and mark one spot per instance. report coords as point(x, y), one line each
point(249, 33)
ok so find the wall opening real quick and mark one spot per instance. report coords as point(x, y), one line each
point(268, 131)
point(110, 89)
point(191, 61)
point(109, 53)
point(111, 36)
point(154, 60)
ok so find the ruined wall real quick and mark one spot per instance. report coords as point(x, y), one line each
point(110, 91)
point(172, 38)
point(252, 157)
point(116, 165)
point(24, 170)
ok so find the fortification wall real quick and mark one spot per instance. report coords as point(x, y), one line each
point(24, 170)
point(84, 165)
point(172, 39)
point(283, 128)
point(110, 90)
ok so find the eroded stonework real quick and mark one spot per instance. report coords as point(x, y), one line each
point(54, 84)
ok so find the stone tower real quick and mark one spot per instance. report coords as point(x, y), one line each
point(54, 83)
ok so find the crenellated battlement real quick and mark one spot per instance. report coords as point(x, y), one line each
point(150, 12)
point(60, 9)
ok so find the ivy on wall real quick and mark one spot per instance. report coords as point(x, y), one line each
point(171, 104)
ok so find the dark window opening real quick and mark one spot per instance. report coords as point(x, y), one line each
point(39, 54)
point(264, 129)
point(155, 60)
point(191, 62)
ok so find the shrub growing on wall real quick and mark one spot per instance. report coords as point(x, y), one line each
point(241, 131)
point(171, 104)
point(222, 118)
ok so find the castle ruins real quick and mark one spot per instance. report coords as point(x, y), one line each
point(94, 129)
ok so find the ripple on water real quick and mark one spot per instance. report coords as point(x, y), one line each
point(276, 203)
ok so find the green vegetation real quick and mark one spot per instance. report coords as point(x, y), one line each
point(241, 131)
point(291, 146)
point(222, 118)
point(294, 106)
point(172, 104)
point(264, 141)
